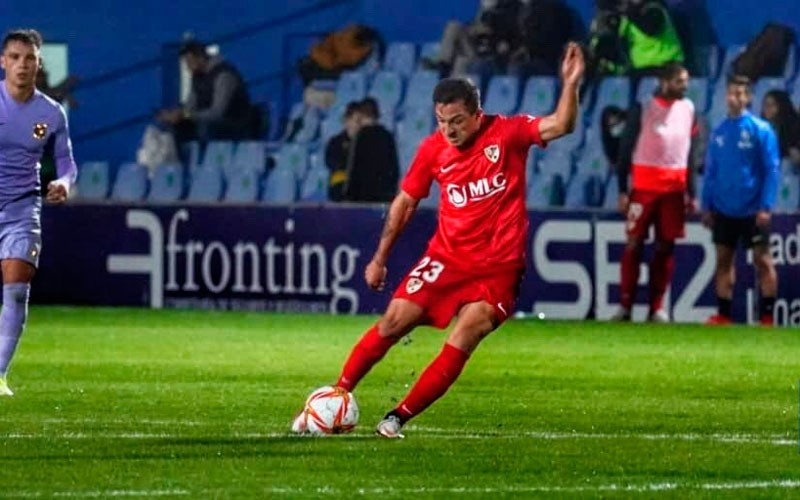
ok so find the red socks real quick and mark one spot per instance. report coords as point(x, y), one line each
point(661, 269)
point(434, 381)
point(631, 258)
point(368, 351)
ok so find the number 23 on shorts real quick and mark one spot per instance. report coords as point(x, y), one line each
point(426, 271)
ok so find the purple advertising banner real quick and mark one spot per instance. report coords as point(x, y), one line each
point(311, 259)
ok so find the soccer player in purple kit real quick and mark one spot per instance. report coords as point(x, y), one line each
point(28, 119)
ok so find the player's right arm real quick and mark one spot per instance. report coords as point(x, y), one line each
point(400, 212)
point(562, 121)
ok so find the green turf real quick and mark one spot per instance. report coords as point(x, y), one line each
point(175, 404)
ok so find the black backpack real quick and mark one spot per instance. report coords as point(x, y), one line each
point(766, 54)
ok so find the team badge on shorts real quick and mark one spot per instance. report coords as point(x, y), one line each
point(413, 285)
point(39, 131)
point(492, 153)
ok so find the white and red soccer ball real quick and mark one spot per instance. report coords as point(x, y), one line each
point(330, 410)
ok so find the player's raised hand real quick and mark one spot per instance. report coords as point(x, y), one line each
point(56, 192)
point(573, 65)
point(375, 275)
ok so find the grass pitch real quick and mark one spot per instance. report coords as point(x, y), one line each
point(178, 404)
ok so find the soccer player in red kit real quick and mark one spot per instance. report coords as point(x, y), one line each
point(473, 265)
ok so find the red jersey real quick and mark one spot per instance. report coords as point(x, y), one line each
point(483, 223)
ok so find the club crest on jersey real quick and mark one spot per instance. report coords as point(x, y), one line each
point(413, 285)
point(492, 153)
point(39, 131)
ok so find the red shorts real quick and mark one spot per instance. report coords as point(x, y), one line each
point(442, 291)
point(666, 211)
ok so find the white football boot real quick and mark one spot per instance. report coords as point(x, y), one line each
point(4, 389)
point(390, 427)
point(659, 316)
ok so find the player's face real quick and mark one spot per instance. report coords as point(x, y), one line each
point(676, 87)
point(738, 98)
point(456, 123)
point(21, 63)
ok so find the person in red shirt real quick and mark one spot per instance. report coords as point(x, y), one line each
point(474, 263)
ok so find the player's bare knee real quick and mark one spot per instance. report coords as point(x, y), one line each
point(398, 320)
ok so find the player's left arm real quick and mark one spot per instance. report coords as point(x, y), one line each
point(58, 190)
point(770, 162)
point(562, 121)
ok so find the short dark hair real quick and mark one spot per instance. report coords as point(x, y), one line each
point(670, 70)
point(193, 47)
point(26, 36)
point(369, 107)
point(451, 90)
point(740, 81)
point(351, 109)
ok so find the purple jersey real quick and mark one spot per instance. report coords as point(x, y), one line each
point(25, 128)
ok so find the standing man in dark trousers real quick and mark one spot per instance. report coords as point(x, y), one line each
point(739, 192)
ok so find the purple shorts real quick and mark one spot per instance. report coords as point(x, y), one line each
point(21, 230)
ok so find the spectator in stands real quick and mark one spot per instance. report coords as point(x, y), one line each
point(739, 194)
point(339, 51)
point(373, 171)
point(337, 151)
point(778, 110)
point(218, 107)
point(633, 36)
point(545, 27)
point(482, 46)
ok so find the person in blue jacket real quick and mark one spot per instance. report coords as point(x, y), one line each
point(739, 190)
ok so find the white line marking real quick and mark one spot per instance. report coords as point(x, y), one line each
point(97, 494)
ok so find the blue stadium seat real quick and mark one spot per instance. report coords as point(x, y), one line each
point(280, 185)
point(584, 190)
point(731, 53)
point(415, 126)
point(502, 95)
point(420, 89)
point(790, 70)
point(309, 128)
point(787, 168)
point(401, 57)
point(131, 183)
point(788, 194)
point(555, 161)
point(592, 161)
point(611, 91)
point(219, 154)
point(387, 89)
point(575, 139)
point(545, 190)
point(294, 157)
point(314, 188)
point(610, 198)
point(434, 197)
point(249, 155)
point(93, 180)
point(193, 152)
point(167, 183)
point(539, 96)
point(387, 119)
point(430, 50)
point(530, 165)
point(242, 187)
point(351, 86)
point(796, 92)
point(647, 87)
point(698, 93)
point(329, 127)
point(760, 89)
point(206, 184)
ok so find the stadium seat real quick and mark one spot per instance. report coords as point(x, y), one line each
point(218, 154)
point(539, 96)
point(280, 185)
point(430, 50)
point(193, 152)
point(309, 128)
point(611, 91)
point(796, 92)
point(167, 183)
point(610, 198)
point(790, 70)
point(592, 161)
point(329, 127)
point(420, 89)
point(530, 165)
point(574, 139)
point(760, 89)
point(556, 159)
point(93, 180)
point(698, 93)
point(545, 190)
point(351, 86)
point(502, 95)
point(434, 197)
point(387, 120)
point(249, 155)
point(584, 190)
point(293, 156)
point(646, 89)
point(242, 187)
point(131, 183)
point(788, 194)
point(787, 168)
point(206, 184)
point(414, 127)
point(314, 188)
point(401, 57)
point(387, 89)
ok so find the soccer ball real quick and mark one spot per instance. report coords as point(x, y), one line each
point(330, 410)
